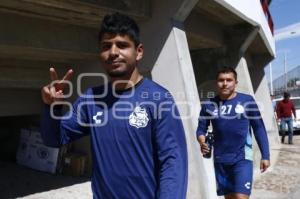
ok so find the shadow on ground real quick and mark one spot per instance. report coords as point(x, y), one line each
point(17, 181)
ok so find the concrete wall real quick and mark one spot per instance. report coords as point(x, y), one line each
point(174, 60)
point(262, 96)
point(28, 47)
point(250, 76)
point(245, 86)
point(167, 58)
point(253, 16)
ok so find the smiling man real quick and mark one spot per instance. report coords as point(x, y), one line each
point(232, 115)
point(138, 142)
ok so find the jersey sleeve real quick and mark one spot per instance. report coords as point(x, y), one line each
point(56, 132)
point(259, 129)
point(171, 151)
point(203, 121)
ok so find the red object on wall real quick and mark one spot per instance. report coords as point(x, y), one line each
point(265, 5)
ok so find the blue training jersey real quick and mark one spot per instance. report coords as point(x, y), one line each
point(137, 139)
point(231, 122)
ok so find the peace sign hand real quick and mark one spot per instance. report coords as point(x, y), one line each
point(54, 91)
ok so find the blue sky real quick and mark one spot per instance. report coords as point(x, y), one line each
point(286, 19)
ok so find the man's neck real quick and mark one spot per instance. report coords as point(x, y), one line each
point(122, 83)
point(227, 97)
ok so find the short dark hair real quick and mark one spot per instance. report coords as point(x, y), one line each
point(286, 95)
point(226, 69)
point(117, 23)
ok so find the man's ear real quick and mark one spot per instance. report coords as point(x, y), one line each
point(139, 52)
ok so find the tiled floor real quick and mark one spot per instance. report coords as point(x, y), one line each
point(283, 180)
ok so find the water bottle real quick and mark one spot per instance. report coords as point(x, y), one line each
point(209, 140)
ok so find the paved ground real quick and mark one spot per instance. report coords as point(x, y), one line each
point(283, 179)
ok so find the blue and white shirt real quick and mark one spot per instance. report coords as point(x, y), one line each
point(232, 121)
point(137, 139)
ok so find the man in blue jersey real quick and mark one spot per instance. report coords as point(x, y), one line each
point(138, 143)
point(232, 115)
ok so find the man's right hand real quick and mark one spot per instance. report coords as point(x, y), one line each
point(54, 91)
point(278, 120)
point(203, 146)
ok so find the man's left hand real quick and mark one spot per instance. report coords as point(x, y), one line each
point(264, 165)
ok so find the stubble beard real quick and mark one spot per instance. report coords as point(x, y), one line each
point(117, 74)
point(126, 73)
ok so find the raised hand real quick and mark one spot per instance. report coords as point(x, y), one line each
point(55, 90)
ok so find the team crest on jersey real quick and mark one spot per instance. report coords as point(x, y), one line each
point(139, 117)
point(239, 109)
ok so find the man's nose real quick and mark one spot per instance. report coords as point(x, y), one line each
point(114, 50)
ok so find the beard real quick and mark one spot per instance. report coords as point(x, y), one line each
point(117, 73)
point(121, 72)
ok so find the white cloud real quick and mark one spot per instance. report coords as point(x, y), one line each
point(288, 32)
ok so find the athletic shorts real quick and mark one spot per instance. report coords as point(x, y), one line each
point(234, 177)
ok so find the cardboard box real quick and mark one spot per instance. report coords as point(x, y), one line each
point(34, 154)
point(74, 164)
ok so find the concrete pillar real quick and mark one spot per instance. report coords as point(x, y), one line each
point(247, 75)
point(245, 86)
point(174, 61)
point(244, 79)
point(168, 60)
point(262, 96)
